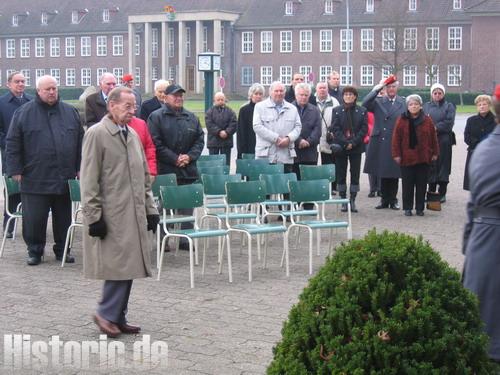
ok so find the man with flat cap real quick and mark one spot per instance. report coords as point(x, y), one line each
point(179, 141)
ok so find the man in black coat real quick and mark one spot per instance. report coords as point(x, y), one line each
point(151, 105)
point(334, 89)
point(96, 104)
point(9, 102)
point(290, 92)
point(44, 146)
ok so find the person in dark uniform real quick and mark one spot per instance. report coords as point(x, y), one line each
point(482, 232)
point(245, 136)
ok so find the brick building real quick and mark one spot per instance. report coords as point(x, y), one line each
point(455, 42)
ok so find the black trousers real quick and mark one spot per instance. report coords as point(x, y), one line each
point(114, 302)
point(414, 179)
point(341, 162)
point(374, 183)
point(442, 189)
point(389, 190)
point(329, 159)
point(36, 209)
point(221, 150)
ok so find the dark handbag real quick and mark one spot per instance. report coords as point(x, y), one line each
point(433, 201)
point(336, 148)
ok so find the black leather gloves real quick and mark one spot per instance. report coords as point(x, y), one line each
point(153, 221)
point(98, 229)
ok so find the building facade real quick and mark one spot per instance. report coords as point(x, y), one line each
point(454, 42)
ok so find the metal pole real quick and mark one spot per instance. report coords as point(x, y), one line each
point(209, 89)
point(348, 34)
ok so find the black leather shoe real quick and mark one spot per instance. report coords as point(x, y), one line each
point(371, 194)
point(343, 207)
point(184, 245)
point(34, 260)
point(9, 235)
point(381, 206)
point(408, 213)
point(69, 258)
point(394, 206)
point(420, 213)
point(443, 199)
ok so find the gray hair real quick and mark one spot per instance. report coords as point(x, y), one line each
point(303, 86)
point(274, 84)
point(415, 98)
point(255, 88)
point(43, 79)
point(161, 82)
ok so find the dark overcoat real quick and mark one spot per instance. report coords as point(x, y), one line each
point(358, 126)
point(245, 136)
point(379, 160)
point(310, 118)
point(216, 120)
point(482, 236)
point(95, 108)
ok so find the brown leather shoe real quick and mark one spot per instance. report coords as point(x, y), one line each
point(127, 328)
point(107, 327)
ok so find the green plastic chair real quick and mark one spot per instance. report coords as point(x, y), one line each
point(247, 156)
point(10, 187)
point(253, 193)
point(75, 196)
point(255, 170)
point(185, 197)
point(317, 192)
point(318, 172)
point(247, 166)
point(163, 180)
point(218, 169)
point(210, 163)
point(212, 158)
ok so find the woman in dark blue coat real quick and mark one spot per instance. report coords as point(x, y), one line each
point(245, 136)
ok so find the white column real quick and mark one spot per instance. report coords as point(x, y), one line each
point(147, 57)
point(131, 49)
point(199, 45)
point(181, 50)
point(164, 49)
point(217, 37)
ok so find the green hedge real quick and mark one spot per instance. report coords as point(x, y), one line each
point(70, 93)
point(386, 304)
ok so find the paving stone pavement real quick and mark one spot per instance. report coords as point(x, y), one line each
point(215, 328)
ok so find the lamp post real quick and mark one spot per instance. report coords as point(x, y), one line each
point(208, 63)
point(348, 35)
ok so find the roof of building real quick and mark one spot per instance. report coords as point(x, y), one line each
point(487, 7)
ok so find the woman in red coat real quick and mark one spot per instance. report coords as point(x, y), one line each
point(142, 131)
point(414, 147)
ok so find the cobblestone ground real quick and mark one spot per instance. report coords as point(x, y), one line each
point(216, 328)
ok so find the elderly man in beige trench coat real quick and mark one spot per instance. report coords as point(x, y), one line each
point(118, 209)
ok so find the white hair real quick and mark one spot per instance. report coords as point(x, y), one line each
point(43, 79)
point(161, 82)
point(274, 84)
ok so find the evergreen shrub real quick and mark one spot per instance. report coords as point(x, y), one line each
point(385, 304)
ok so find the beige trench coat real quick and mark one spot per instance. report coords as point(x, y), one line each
point(115, 184)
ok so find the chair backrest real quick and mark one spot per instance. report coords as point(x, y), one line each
point(247, 156)
point(11, 186)
point(256, 170)
point(246, 192)
point(244, 166)
point(216, 184)
point(309, 190)
point(182, 196)
point(163, 180)
point(212, 158)
point(217, 169)
point(278, 183)
point(317, 172)
point(74, 190)
point(210, 163)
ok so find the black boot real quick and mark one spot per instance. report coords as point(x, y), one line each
point(343, 195)
point(353, 202)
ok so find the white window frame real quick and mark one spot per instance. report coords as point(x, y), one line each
point(457, 4)
point(367, 40)
point(454, 76)
point(117, 45)
point(410, 39)
point(154, 42)
point(44, 18)
point(118, 73)
point(345, 75)
point(39, 73)
point(10, 48)
point(326, 40)
point(171, 42)
point(70, 77)
point(74, 17)
point(137, 44)
point(24, 48)
point(70, 46)
point(324, 72)
point(85, 46)
point(432, 38)
point(172, 73)
point(285, 74)
point(328, 6)
point(27, 76)
point(39, 47)
point(346, 40)
point(410, 75)
point(386, 71)
point(205, 39)
point(286, 41)
point(412, 5)
point(99, 73)
point(247, 42)
point(15, 20)
point(266, 41)
point(247, 75)
point(56, 73)
point(137, 76)
point(288, 8)
point(222, 41)
point(266, 75)
point(101, 45)
point(367, 74)
point(305, 70)
point(105, 16)
point(370, 6)
point(305, 41)
point(388, 39)
point(455, 34)
point(85, 77)
point(154, 73)
point(188, 42)
point(55, 47)
point(433, 78)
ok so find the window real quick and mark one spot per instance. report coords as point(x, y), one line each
point(102, 45)
point(412, 5)
point(154, 73)
point(154, 42)
point(366, 75)
point(25, 48)
point(431, 75)
point(346, 75)
point(247, 42)
point(137, 77)
point(171, 42)
point(10, 48)
point(100, 72)
point(324, 72)
point(346, 40)
point(188, 42)
point(285, 41)
point(27, 75)
point(172, 72)
point(455, 38)
point(285, 74)
point(289, 8)
point(305, 40)
point(432, 38)
point(55, 47)
point(86, 77)
point(74, 17)
point(328, 6)
point(457, 4)
point(39, 47)
point(117, 45)
point(44, 18)
point(410, 39)
point(85, 46)
point(370, 6)
point(8, 72)
point(137, 44)
point(118, 73)
point(39, 73)
point(246, 76)
point(454, 75)
point(70, 77)
point(205, 39)
point(222, 41)
point(266, 41)
point(305, 70)
point(105, 15)
point(386, 71)
point(410, 75)
point(325, 40)
point(15, 20)
point(56, 73)
point(266, 75)
point(367, 36)
point(70, 46)
point(388, 39)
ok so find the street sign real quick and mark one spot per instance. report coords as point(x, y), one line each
point(222, 82)
point(311, 77)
